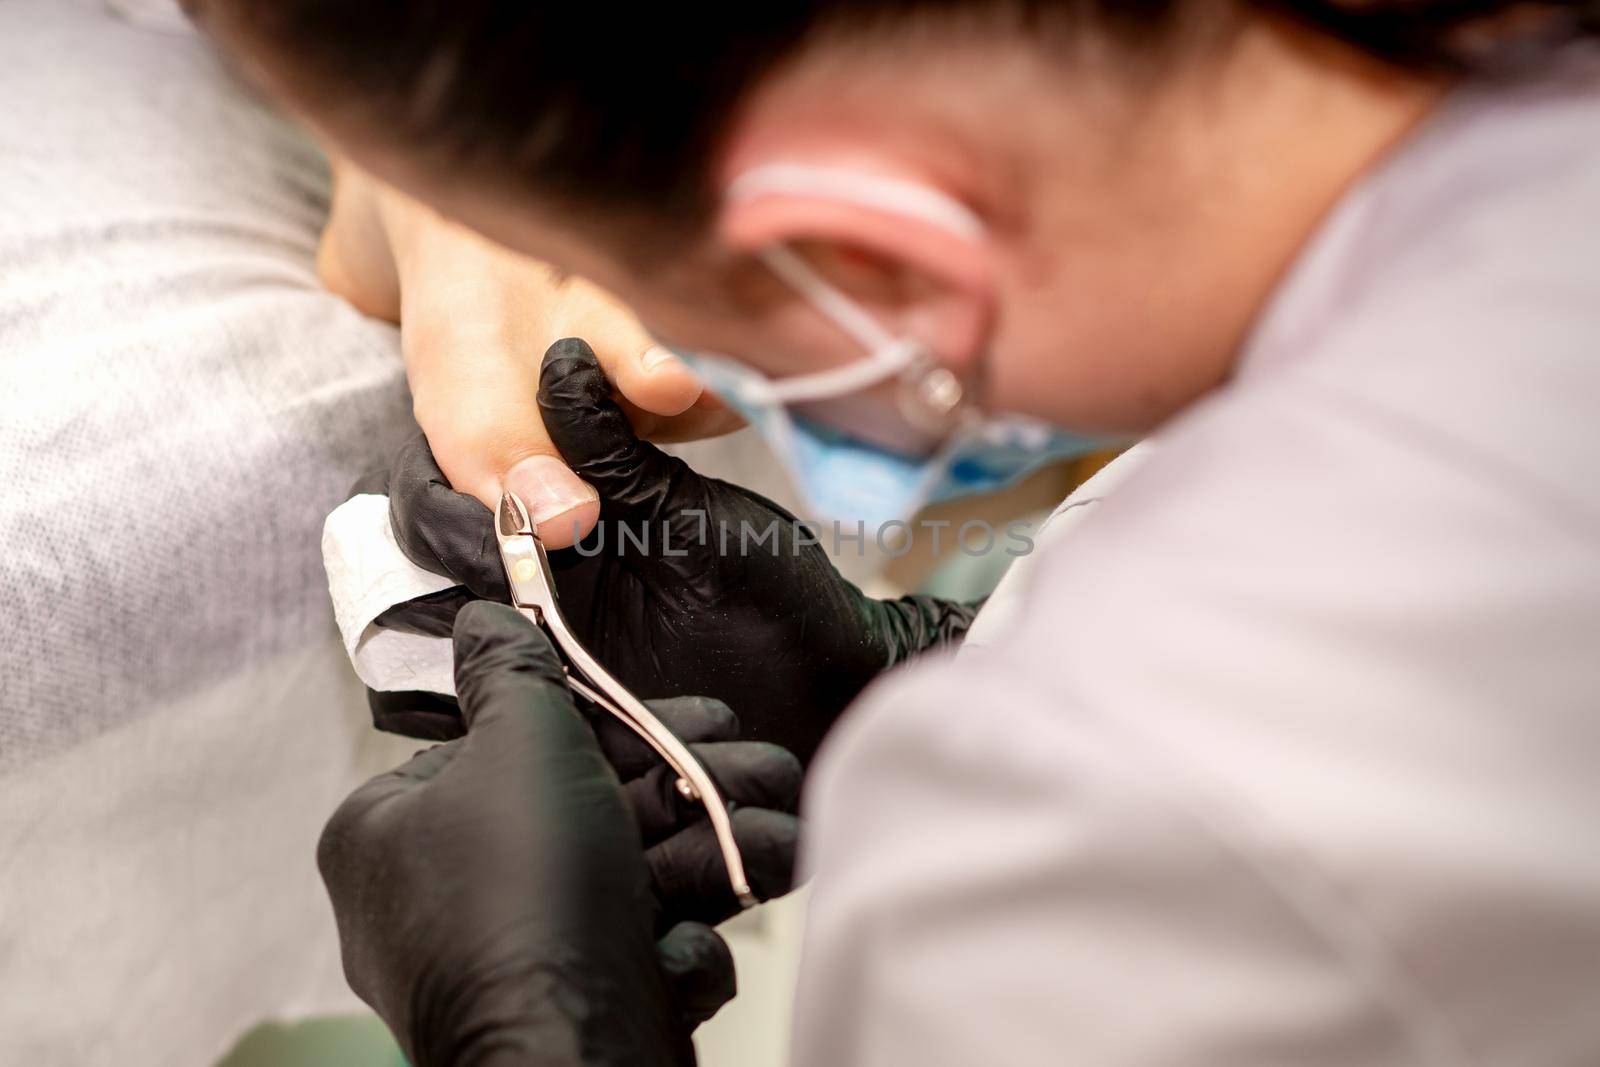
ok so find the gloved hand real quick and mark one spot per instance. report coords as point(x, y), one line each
point(770, 627)
point(760, 782)
point(494, 896)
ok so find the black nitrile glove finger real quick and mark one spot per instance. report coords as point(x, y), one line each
point(493, 892)
point(416, 714)
point(699, 969)
point(759, 782)
point(747, 773)
point(693, 719)
point(433, 615)
point(441, 530)
point(640, 486)
point(691, 882)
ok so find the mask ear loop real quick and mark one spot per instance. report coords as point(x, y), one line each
point(930, 396)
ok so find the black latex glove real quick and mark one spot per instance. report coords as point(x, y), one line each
point(493, 896)
point(759, 781)
point(774, 631)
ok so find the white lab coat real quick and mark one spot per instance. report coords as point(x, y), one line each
point(1288, 750)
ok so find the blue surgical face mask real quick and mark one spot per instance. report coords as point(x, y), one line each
point(842, 477)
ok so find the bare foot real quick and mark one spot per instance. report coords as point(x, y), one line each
point(355, 260)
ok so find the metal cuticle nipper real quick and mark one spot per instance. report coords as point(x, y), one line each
point(533, 593)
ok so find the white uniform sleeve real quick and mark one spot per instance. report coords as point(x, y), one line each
point(1002, 883)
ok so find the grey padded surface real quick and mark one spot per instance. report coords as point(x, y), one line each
point(180, 404)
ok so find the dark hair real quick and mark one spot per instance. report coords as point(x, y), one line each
point(603, 106)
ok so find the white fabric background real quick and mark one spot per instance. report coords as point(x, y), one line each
point(179, 408)
point(182, 403)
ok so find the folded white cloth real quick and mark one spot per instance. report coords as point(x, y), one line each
point(368, 575)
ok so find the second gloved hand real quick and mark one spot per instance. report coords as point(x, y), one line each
point(504, 898)
point(690, 584)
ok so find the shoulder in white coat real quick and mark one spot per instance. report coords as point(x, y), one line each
point(1287, 755)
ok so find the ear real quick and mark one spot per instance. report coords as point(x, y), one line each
point(915, 257)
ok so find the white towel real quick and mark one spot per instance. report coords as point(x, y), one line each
point(368, 575)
